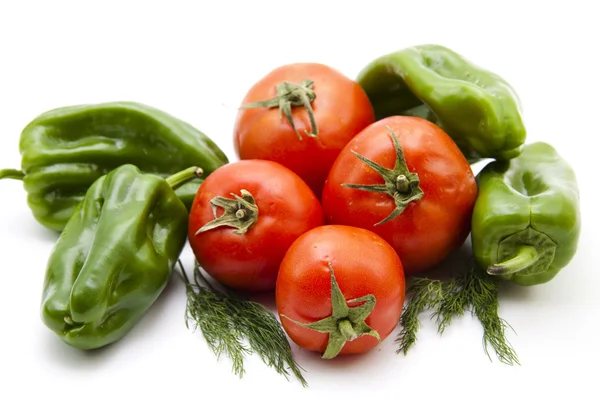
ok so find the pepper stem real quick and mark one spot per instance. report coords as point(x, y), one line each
point(241, 213)
point(399, 183)
point(345, 323)
point(290, 95)
point(184, 176)
point(526, 257)
point(12, 174)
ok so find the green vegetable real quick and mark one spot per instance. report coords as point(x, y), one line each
point(476, 107)
point(225, 319)
point(526, 222)
point(472, 291)
point(115, 256)
point(66, 149)
point(525, 229)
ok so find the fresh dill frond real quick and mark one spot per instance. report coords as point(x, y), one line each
point(424, 293)
point(226, 320)
point(453, 302)
point(483, 292)
point(473, 290)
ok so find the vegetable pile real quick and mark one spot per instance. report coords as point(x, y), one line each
point(346, 195)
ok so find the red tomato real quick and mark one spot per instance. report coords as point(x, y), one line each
point(436, 221)
point(341, 109)
point(370, 282)
point(273, 207)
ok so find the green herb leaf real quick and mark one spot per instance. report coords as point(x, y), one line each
point(474, 291)
point(226, 320)
point(483, 292)
point(424, 293)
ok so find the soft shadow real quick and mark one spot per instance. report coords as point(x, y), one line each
point(265, 298)
point(72, 358)
point(27, 226)
point(513, 292)
point(341, 364)
point(454, 264)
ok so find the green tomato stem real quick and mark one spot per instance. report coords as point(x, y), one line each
point(290, 95)
point(345, 323)
point(345, 328)
point(240, 213)
point(399, 183)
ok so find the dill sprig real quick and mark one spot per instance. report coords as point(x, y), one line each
point(472, 290)
point(454, 300)
point(424, 294)
point(483, 292)
point(227, 320)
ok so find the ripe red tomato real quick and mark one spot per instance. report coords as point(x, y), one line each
point(340, 107)
point(338, 288)
point(260, 208)
point(423, 212)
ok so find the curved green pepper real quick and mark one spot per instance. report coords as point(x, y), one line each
point(115, 256)
point(526, 221)
point(66, 149)
point(476, 107)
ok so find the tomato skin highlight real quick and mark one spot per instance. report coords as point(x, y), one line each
point(341, 109)
point(250, 261)
point(363, 264)
point(429, 229)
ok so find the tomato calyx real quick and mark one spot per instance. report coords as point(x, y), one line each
point(290, 95)
point(399, 183)
point(345, 323)
point(241, 213)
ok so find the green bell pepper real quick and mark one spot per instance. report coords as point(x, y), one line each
point(476, 107)
point(115, 256)
point(66, 149)
point(526, 221)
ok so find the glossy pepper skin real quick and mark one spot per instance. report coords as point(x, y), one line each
point(476, 107)
point(526, 221)
point(114, 257)
point(66, 149)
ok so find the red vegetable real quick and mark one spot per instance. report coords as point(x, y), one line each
point(301, 116)
point(405, 179)
point(340, 290)
point(260, 208)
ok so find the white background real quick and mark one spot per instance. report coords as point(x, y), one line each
point(196, 62)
